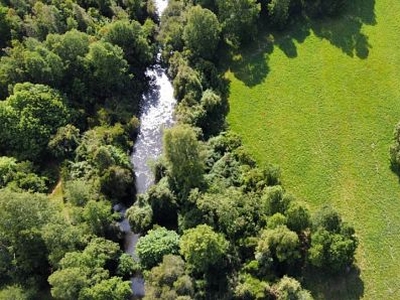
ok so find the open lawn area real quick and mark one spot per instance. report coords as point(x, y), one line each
point(321, 101)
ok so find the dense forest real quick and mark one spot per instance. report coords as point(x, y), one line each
point(214, 226)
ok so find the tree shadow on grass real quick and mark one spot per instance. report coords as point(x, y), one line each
point(250, 63)
point(342, 286)
point(345, 30)
point(286, 41)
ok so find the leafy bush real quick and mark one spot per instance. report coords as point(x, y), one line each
point(333, 243)
point(140, 217)
point(152, 247)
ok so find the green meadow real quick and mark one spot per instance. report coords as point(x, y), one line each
point(321, 100)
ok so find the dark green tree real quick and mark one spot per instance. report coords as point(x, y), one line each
point(238, 19)
point(23, 253)
point(108, 70)
point(140, 217)
point(278, 12)
point(333, 243)
point(182, 153)
point(202, 31)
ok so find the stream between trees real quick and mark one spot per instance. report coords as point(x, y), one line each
point(156, 113)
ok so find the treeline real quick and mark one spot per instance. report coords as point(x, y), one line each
point(72, 75)
point(216, 225)
point(219, 227)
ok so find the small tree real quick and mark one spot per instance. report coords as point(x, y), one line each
point(279, 245)
point(289, 288)
point(152, 247)
point(168, 280)
point(182, 153)
point(140, 217)
point(333, 243)
point(202, 248)
point(201, 33)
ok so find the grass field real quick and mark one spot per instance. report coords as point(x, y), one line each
point(321, 101)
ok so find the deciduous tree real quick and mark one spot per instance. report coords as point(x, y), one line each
point(201, 33)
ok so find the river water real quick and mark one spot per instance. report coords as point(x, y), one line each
point(156, 113)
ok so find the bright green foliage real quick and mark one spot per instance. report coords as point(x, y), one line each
point(67, 283)
point(154, 245)
point(71, 47)
point(168, 280)
point(113, 138)
point(251, 288)
point(29, 117)
point(7, 168)
point(109, 289)
point(201, 33)
point(20, 175)
point(203, 248)
point(127, 266)
point(85, 273)
point(289, 288)
point(182, 153)
point(96, 254)
point(41, 65)
point(13, 292)
point(30, 61)
point(333, 251)
point(276, 220)
point(279, 245)
point(278, 11)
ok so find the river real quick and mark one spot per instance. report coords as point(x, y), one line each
point(156, 113)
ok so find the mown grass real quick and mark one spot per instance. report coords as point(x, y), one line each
point(321, 101)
